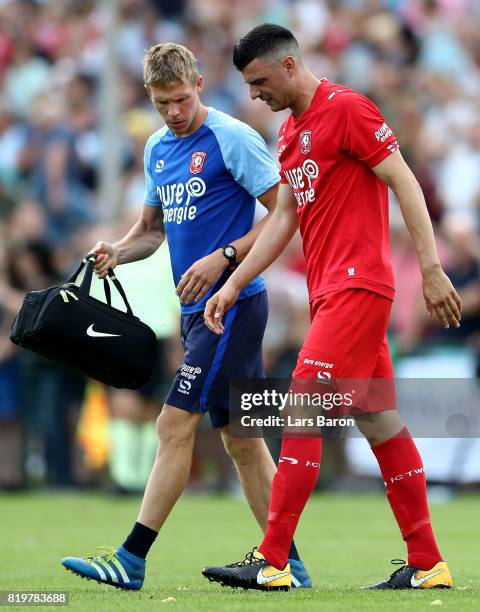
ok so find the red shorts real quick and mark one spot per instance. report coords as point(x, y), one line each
point(347, 340)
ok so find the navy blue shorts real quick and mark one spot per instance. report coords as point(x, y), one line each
point(201, 382)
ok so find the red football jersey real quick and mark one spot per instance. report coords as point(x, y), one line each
point(326, 155)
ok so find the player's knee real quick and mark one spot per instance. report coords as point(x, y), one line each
point(241, 450)
point(175, 429)
point(379, 427)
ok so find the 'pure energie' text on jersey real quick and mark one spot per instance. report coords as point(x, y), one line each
point(206, 184)
point(326, 155)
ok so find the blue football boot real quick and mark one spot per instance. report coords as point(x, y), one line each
point(116, 567)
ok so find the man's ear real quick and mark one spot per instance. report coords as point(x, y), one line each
point(289, 63)
point(199, 83)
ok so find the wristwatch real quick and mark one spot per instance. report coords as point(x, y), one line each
point(230, 253)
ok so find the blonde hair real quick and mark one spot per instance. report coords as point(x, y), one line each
point(167, 62)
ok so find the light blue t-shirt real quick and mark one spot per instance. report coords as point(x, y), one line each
point(207, 184)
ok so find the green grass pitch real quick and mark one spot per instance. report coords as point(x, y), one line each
point(346, 542)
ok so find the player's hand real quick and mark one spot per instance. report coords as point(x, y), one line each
point(441, 298)
point(106, 257)
point(200, 276)
point(218, 305)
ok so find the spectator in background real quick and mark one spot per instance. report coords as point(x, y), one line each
point(464, 270)
point(11, 468)
point(80, 94)
point(27, 76)
point(13, 135)
point(56, 175)
point(459, 176)
point(142, 27)
point(49, 393)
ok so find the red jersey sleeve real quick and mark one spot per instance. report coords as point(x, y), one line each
point(367, 135)
point(281, 146)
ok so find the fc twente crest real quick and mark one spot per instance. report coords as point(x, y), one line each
point(198, 160)
point(306, 141)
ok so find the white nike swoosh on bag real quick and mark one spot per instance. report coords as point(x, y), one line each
point(94, 334)
point(261, 579)
point(416, 583)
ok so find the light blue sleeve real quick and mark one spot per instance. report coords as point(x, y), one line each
point(245, 155)
point(151, 196)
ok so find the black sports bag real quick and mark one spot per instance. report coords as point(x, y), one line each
point(67, 324)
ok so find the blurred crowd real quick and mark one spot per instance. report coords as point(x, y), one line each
point(419, 60)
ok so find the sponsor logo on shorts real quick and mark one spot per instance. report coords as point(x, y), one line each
point(324, 377)
point(320, 364)
point(189, 372)
point(184, 386)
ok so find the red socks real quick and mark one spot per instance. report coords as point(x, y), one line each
point(402, 471)
point(294, 481)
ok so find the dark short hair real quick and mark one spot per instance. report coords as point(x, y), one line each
point(260, 41)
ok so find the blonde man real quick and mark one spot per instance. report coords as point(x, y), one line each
point(204, 171)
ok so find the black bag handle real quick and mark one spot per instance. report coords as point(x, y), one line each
point(106, 286)
point(108, 293)
point(74, 276)
point(120, 289)
point(85, 285)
